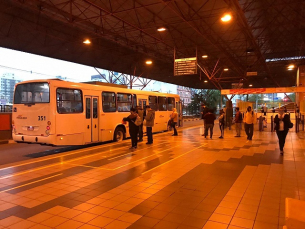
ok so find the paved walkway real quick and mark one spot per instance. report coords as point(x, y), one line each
point(178, 182)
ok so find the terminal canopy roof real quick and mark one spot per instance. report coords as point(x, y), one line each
point(263, 37)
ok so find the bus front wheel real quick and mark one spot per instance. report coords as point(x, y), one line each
point(119, 134)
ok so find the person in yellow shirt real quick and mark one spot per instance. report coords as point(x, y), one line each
point(249, 120)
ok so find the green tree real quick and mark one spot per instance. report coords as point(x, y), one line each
point(211, 98)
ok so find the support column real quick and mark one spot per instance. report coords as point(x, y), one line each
point(300, 97)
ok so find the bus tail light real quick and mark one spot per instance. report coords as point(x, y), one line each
point(49, 123)
point(48, 127)
point(47, 132)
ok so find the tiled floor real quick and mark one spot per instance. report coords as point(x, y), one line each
point(178, 182)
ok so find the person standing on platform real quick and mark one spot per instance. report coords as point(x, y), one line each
point(209, 119)
point(133, 128)
point(140, 112)
point(238, 121)
point(204, 110)
point(150, 120)
point(249, 120)
point(174, 120)
point(282, 125)
point(221, 120)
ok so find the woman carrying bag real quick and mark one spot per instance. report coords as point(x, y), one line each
point(282, 125)
point(174, 120)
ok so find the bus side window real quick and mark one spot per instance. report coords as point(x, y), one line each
point(171, 103)
point(162, 102)
point(69, 101)
point(124, 102)
point(153, 102)
point(108, 102)
point(134, 100)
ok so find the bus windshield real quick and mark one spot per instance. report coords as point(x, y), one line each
point(32, 93)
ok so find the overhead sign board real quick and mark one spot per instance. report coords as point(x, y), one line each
point(251, 73)
point(262, 90)
point(185, 66)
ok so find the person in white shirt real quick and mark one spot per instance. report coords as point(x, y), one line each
point(249, 120)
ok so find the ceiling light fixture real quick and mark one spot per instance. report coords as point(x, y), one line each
point(226, 69)
point(205, 81)
point(205, 56)
point(148, 62)
point(226, 18)
point(291, 66)
point(87, 42)
point(161, 29)
point(250, 85)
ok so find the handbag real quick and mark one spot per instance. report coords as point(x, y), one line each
point(290, 125)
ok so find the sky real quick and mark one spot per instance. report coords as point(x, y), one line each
point(26, 66)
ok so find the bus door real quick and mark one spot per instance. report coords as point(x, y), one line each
point(91, 123)
point(142, 103)
point(179, 107)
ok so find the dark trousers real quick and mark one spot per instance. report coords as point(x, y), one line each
point(206, 129)
point(222, 128)
point(249, 131)
point(141, 132)
point(149, 134)
point(282, 137)
point(134, 137)
point(174, 126)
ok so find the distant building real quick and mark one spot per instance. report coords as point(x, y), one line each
point(7, 85)
point(185, 94)
point(61, 77)
point(98, 77)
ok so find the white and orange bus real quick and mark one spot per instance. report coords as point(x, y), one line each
point(58, 112)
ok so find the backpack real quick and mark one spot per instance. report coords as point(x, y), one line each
point(138, 121)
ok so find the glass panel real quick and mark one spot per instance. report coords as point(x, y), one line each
point(153, 103)
point(32, 93)
point(88, 108)
point(162, 103)
point(69, 101)
point(95, 105)
point(124, 102)
point(171, 103)
point(109, 102)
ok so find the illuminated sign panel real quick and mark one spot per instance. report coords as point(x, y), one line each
point(185, 66)
point(262, 90)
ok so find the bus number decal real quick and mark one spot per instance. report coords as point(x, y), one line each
point(41, 118)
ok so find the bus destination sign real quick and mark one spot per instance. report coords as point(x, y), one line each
point(185, 66)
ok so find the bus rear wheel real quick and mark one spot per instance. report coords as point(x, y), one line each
point(119, 134)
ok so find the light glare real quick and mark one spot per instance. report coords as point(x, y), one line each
point(87, 41)
point(148, 62)
point(226, 18)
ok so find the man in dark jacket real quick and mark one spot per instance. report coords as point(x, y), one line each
point(209, 123)
point(140, 112)
point(150, 120)
point(133, 128)
point(282, 122)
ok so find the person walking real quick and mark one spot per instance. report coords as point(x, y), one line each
point(174, 120)
point(204, 110)
point(238, 121)
point(133, 128)
point(221, 120)
point(150, 120)
point(282, 125)
point(209, 123)
point(249, 120)
point(140, 112)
